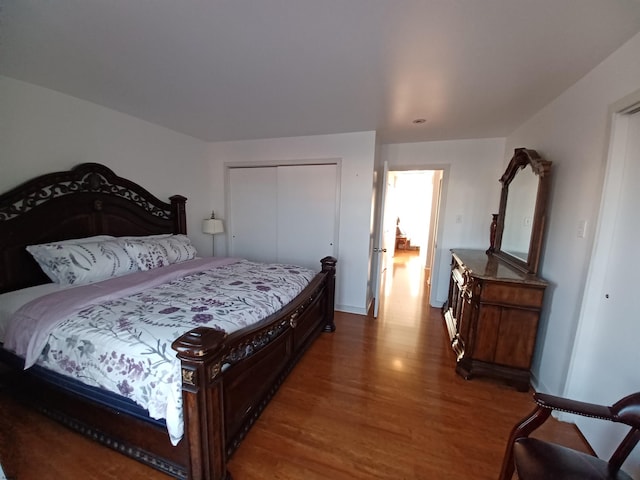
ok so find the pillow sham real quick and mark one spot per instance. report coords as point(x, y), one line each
point(95, 238)
point(147, 255)
point(88, 262)
point(178, 248)
point(74, 241)
point(144, 238)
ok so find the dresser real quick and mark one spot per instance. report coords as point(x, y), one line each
point(492, 315)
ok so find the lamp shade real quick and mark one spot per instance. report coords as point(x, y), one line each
point(212, 226)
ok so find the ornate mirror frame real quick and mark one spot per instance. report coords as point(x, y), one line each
point(522, 158)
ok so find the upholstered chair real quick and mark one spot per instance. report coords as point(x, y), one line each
point(537, 459)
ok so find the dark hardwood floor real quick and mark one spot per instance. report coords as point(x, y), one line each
point(377, 399)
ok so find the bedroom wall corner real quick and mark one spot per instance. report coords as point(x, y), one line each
point(42, 131)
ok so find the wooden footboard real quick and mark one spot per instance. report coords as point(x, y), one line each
point(228, 380)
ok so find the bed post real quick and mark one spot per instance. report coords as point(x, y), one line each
point(199, 351)
point(329, 267)
point(178, 214)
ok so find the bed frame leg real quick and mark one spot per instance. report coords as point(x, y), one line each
point(329, 267)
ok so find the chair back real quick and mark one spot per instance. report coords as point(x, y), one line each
point(534, 451)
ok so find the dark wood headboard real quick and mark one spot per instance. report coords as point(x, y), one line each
point(87, 200)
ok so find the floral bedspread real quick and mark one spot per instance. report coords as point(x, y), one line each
point(124, 345)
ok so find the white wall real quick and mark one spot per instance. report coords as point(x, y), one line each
point(42, 131)
point(471, 193)
point(572, 133)
point(356, 154)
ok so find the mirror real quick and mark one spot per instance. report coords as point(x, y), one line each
point(518, 215)
point(520, 221)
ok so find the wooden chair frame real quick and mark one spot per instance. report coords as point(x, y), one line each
point(626, 410)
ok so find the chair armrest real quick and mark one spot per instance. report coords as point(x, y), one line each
point(545, 404)
point(573, 406)
point(627, 410)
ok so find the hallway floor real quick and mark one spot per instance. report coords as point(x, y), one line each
point(405, 296)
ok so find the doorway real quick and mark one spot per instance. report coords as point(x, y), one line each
point(409, 224)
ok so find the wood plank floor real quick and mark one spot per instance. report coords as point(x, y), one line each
point(377, 399)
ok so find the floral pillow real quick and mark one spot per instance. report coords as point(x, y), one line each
point(178, 248)
point(147, 255)
point(145, 238)
point(44, 266)
point(81, 263)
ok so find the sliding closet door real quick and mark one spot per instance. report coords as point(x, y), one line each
point(283, 214)
point(253, 203)
point(306, 213)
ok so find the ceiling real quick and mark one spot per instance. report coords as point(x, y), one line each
point(244, 69)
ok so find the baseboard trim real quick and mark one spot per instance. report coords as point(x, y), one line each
point(351, 309)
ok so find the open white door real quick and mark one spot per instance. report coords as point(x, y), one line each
point(433, 234)
point(386, 240)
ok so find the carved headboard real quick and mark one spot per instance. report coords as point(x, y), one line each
point(90, 199)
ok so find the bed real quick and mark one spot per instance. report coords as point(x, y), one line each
point(225, 379)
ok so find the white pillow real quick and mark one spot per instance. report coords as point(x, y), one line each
point(96, 238)
point(144, 238)
point(10, 302)
point(147, 255)
point(52, 276)
point(178, 248)
point(78, 264)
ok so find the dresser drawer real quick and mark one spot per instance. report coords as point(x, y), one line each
point(504, 293)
